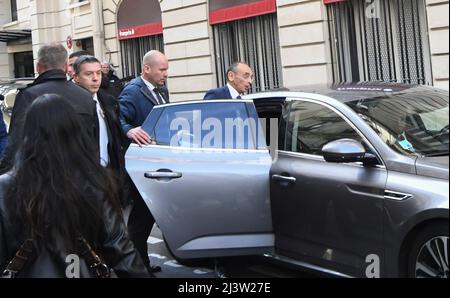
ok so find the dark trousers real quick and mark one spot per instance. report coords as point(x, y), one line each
point(140, 224)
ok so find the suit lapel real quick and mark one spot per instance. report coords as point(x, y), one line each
point(147, 93)
point(228, 93)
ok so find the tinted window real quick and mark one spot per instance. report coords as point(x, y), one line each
point(211, 125)
point(311, 126)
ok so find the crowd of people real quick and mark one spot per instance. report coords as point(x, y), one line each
point(63, 183)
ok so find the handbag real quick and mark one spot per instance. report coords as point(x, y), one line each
point(26, 252)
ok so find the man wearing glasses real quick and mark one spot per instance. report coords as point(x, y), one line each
point(239, 81)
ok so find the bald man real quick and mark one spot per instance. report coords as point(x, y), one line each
point(136, 102)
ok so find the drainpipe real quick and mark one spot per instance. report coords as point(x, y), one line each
point(99, 34)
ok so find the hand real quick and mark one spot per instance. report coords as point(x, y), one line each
point(139, 136)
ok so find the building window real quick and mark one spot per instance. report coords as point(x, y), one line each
point(23, 65)
point(13, 10)
point(133, 50)
point(380, 40)
point(255, 41)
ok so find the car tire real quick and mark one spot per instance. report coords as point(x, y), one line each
point(429, 254)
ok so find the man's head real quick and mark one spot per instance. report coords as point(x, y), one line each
point(51, 56)
point(88, 73)
point(155, 68)
point(72, 58)
point(106, 68)
point(240, 76)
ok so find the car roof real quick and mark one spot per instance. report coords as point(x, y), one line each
point(346, 92)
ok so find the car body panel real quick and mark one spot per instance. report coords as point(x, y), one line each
point(328, 215)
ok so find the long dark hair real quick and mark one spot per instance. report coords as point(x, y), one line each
point(58, 183)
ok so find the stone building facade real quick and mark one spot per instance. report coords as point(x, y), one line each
point(287, 42)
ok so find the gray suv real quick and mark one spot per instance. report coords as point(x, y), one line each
point(350, 180)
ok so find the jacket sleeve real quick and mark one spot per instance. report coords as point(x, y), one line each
point(127, 107)
point(118, 249)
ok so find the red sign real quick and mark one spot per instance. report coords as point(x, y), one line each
point(141, 30)
point(251, 9)
point(332, 1)
point(69, 42)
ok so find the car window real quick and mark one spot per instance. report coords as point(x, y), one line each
point(311, 126)
point(206, 125)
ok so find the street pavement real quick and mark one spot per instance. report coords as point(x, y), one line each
point(236, 267)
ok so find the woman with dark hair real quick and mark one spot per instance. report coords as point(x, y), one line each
point(61, 198)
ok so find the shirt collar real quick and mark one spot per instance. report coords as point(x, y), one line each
point(149, 85)
point(234, 94)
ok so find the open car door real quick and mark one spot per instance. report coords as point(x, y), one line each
point(206, 180)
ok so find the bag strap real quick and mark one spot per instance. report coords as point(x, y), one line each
point(93, 260)
point(19, 260)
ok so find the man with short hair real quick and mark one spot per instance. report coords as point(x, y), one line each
point(51, 67)
point(239, 81)
point(88, 75)
point(136, 102)
point(72, 58)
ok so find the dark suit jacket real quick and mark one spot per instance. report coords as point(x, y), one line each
point(52, 81)
point(219, 93)
point(136, 102)
point(116, 139)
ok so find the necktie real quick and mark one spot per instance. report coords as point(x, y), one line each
point(239, 97)
point(158, 96)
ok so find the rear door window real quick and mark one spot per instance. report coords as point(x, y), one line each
point(218, 125)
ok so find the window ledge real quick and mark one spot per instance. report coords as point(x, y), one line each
point(79, 4)
point(10, 24)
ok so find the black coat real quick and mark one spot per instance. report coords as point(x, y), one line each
point(52, 81)
point(116, 139)
point(115, 246)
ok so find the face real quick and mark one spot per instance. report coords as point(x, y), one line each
point(105, 68)
point(242, 79)
point(157, 71)
point(70, 71)
point(90, 77)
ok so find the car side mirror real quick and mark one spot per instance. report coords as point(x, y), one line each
point(344, 150)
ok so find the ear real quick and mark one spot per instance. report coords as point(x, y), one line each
point(39, 68)
point(231, 75)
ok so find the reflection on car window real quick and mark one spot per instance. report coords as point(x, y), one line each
point(311, 126)
point(211, 125)
point(410, 123)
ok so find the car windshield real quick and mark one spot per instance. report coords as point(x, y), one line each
point(412, 123)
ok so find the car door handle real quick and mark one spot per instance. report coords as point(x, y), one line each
point(162, 175)
point(280, 178)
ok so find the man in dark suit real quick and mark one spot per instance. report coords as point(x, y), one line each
point(51, 66)
point(88, 74)
point(239, 81)
point(136, 102)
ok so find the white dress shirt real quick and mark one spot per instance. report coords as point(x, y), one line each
point(103, 134)
point(150, 86)
point(233, 92)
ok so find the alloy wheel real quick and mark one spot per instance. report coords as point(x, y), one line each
point(432, 260)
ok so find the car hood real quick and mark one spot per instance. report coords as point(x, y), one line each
point(436, 167)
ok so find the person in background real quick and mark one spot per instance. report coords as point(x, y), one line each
point(72, 58)
point(70, 200)
point(239, 81)
point(51, 67)
point(136, 102)
point(110, 82)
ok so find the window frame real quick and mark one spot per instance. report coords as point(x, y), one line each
point(369, 145)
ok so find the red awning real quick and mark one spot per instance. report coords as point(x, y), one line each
point(137, 18)
point(221, 11)
point(332, 1)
